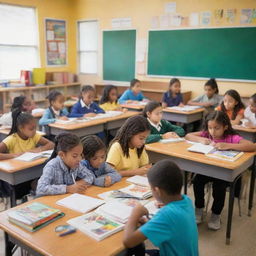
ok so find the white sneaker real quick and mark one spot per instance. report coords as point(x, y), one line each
point(199, 215)
point(214, 222)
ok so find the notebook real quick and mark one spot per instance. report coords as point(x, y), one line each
point(210, 151)
point(96, 225)
point(30, 156)
point(80, 203)
point(139, 180)
point(172, 140)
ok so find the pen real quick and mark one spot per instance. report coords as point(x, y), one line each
point(68, 232)
point(73, 178)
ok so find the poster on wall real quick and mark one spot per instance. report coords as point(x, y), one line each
point(56, 42)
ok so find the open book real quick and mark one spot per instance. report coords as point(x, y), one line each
point(80, 203)
point(96, 225)
point(172, 140)
point(210, 151)
point(30, 156)
point(140, 192)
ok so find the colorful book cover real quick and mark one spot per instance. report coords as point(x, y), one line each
point(96, 225)
point(229, 155)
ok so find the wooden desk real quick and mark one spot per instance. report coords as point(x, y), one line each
point(184, 117)
point(80, 129)
point(133, 107)
point(47, 242)
point(15, 172)
point(246, 133)
point(200, 164)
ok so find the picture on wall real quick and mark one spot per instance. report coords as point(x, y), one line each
point(56, 42)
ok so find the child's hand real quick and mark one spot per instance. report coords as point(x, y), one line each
point(169, 135)
point(181, 105)
point(108, 181)
point(205, 141)
point(125, 110)
point(222, 146)
point(35, 150)
point(90, 115)
point(129, 101)
point(144, 169)
point(139, 210)
point(63, 118)
point(78, 187)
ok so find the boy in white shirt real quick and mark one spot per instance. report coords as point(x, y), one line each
point(250, 113)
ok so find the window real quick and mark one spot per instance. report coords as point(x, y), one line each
point(18, 40)
point(88, 47)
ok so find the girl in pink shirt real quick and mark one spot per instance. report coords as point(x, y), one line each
point(217, 131)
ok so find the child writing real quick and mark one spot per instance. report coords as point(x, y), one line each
point(217, 130)
point(95, 155)
point(108, 101)
point(60, 174)
point(127, 154)
point(250, 113)
point(160, 129)
point(133, 94)
point(210, 99)
point(23, 137)
point(233, 106)
point(56, 109)
point(85, 107)
point(172, 228)
point(22, 103)
point(173, 97)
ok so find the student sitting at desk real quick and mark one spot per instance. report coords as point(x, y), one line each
point(127, 153)
point(173, 97)
point(108, 101)
point(160, 129)
point(56, 109)
point(172, 229)
point(22, 103)
point(95, 155)
point(210, 99)
point(133, 94)
point(85, 107)
point(250, 113)
point(64, 167)
point(23, 137)
point(217, 130)
point(233, 106)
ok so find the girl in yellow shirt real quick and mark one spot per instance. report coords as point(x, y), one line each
point(127, 154)
point(108, 101)
point(23, 137)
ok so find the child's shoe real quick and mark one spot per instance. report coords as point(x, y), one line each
point(214, 222)
point(199, 215)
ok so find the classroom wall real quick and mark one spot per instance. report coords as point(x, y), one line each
point(58, 9)
point(141, 12)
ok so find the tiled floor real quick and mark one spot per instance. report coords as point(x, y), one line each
point(212, 243)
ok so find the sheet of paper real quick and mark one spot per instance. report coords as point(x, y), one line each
point(194, 19)
point(141, 47)
point(155, 22)
point(175, 20)
point(206, 18)
point(116, 23)
point(164, 21)
point(170, 7)
point(126, 22)
point(230, 15)
point(218, 15)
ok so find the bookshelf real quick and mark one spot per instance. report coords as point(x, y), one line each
point(36, 93)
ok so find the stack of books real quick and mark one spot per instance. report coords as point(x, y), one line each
point(34, 216)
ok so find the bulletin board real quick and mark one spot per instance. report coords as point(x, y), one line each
point(56, 42)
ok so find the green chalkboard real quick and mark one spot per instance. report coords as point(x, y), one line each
point(228, 53)
point(119, 49)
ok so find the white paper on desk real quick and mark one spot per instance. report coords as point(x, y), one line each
point(5, 166)
point(201, 148)
point(69, 121)
point(170, 7)
point(194, 19)
point(80, 203)
point(186, 108)
point(139, 180)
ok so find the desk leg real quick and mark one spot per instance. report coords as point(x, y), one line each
point(230, 211)
point(252, 184)
point(13, 196)
point(185, 182)
point(8, 245)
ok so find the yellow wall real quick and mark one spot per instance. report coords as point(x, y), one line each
point(59, 9)
point(141, 12)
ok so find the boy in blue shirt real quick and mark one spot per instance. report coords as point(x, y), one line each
point(85, 107)
point(133, 94)
point(173, 229)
